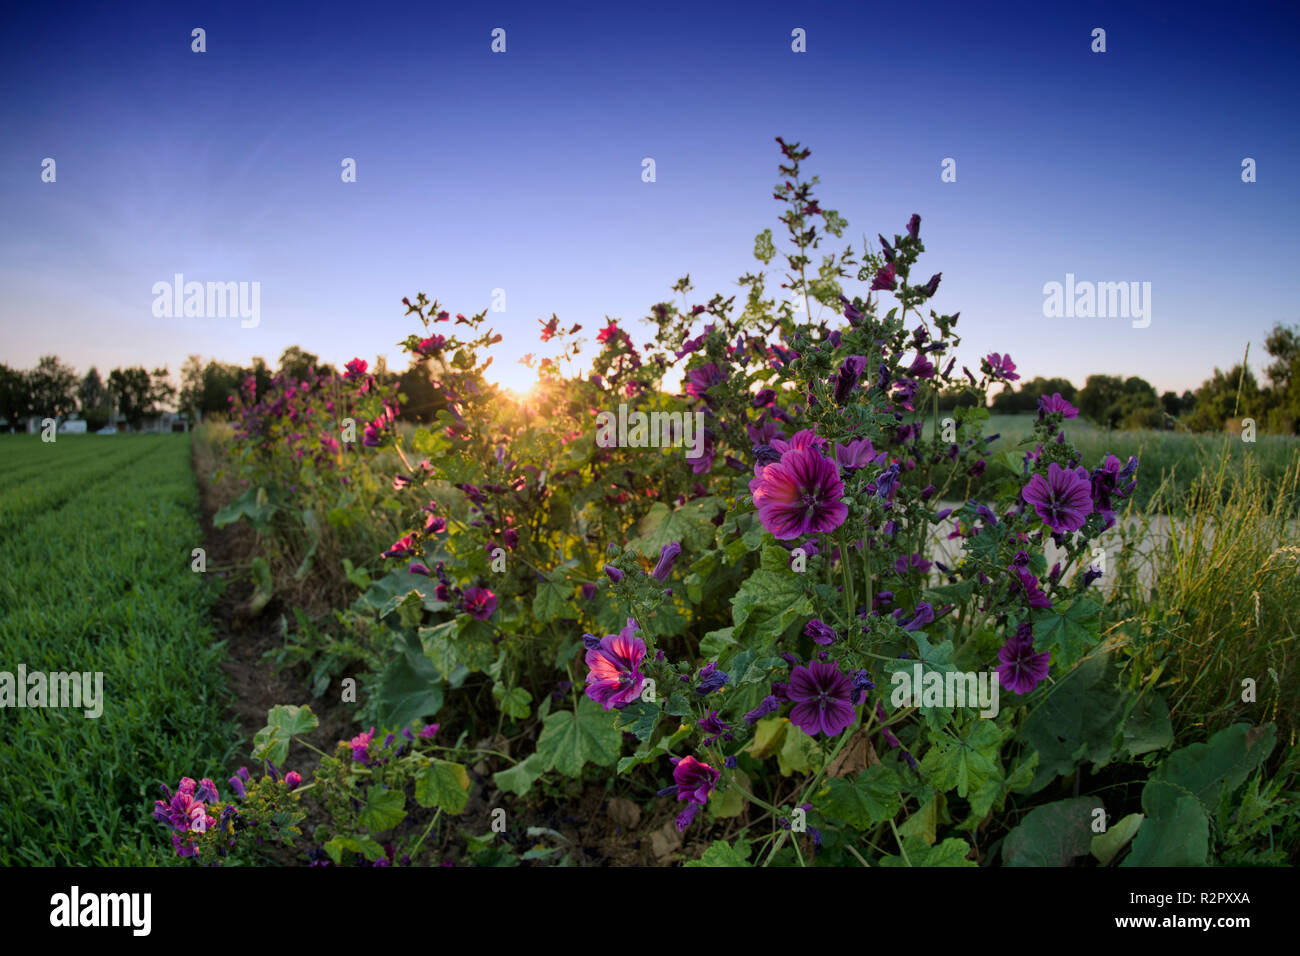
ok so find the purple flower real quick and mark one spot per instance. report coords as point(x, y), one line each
point(615, 679)
point(1021, 669)
point(1063, 499)
point(429, 730)
point(857, 454)
point(701, 379)
point(361, 746)
point(1047, 404)
point(418, 567)
point(921, 367)
point(712, 724)
point(695, 781)
point(848, 376)
point(614, 573)
point(667, 555)
point(822, 698)
point(799, 495)
point(1001, 367)
point(207, 791)
point(238, 786)
point(884, 278)
point(1034, 597)
point(769, 705)
point(293, 779)
point(914, 226)
point(924, 615)
point(710, 679)
point(820, 631)
point(479, 603)
point(588, 592)
point(931, 287)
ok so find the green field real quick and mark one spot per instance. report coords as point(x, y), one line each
point(97, 535)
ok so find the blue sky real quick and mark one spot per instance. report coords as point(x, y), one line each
point(522, 170)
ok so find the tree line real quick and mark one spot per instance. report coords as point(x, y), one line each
point(53, 390)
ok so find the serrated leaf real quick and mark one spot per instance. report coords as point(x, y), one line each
point(722, 853)
point(282, 722)
point(520, 778)
point(443, 784)
point(864, 800)
point(572, 739)
point(1069, 632)
point(383, 809)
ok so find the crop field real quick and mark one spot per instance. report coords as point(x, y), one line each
point(97, 535)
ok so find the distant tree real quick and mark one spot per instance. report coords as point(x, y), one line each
point(1099, 399)
point(206, 389)
point(1282, 401)
point(52, 388)
point(139, 393)
point(1172, 404)
point(1217, 399)
point(91, 393)
point(300, 365)
point(1025, 399)
point(15, 404)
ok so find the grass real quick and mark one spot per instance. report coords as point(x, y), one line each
point(1168, 460)
point(98, 534)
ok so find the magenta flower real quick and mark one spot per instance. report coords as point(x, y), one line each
point(1021, 669)
point(820, 631)
point(1063, 499)
point(401, 548)
point(884, 278)
point(361, 746)
point(704, 378)
point(1055, 403)
point(694, 779)
point(667, 555)
point(858, 454)
point(479, 603)
point(848, 376)
point(1001, 367)
point(615, 678)
point(822, 698)
point(799, 495)
point(293, 779)
point(355, 369)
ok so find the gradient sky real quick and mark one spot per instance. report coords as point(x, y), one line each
point(522, 170)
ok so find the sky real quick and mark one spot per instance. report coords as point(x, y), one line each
point(522, 170)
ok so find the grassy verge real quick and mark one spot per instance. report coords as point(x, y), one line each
point(98, 544)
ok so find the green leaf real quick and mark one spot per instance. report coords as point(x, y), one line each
point(1148, 727)
point(1067, 632)
point(691, 525)
point(384, 809)
point(768, 602)
point(862, 801)
point(572, 739)
point(443, 784)
point(410, 687)
point(1176, 831)
point(552, 599)
point(714, 643)
point(282, 722)
point(639, 718)
point(252, 505)
point(951, 852)
point(1106, 846)
point(965, 764)
point(520, 778)
point(514, 702)
point(1078, 720)
point(361, 844)
point(722, 853)
point(1052, 834)
point(1221, 764)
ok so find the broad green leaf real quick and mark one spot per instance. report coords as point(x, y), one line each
point(571, 739)
point(1078, 720)
point(864, 800)
point(1175, 831)
point(951, 852)
point(552, 599)
point(1148, 727)
point(520, 778)
point(715, 643)
point(722, 853)
point(1052, 834)
point(769, 602)
point(513, 702)
point(1106, 846)
point(691, 525)
point(1207, 770)
point(964, 764)
point(410, 687)
point(638, 718)
point(443, 784)
point(361, 844)
point(1067, 632)
point(282, 722)
point(383, 810)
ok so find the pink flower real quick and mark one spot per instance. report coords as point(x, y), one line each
point(615, 678)
point(1063, 499)
point(355, 369)
point(799, 495)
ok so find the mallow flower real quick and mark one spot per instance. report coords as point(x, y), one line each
point(615, 678)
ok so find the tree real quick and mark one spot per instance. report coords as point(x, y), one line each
point(206, 389)
point(52, 388)
point(300, 365)
point(1025, 400)
point(15, 405)
point(1217, 399)
point(90, 393)
point(139, 393)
